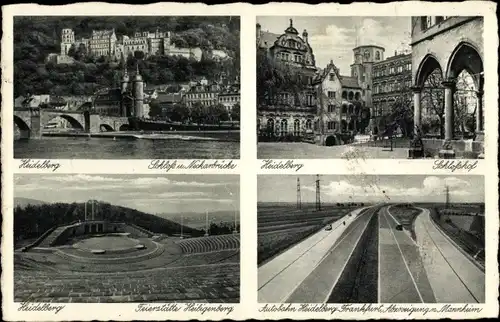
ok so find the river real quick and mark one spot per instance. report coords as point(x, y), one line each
point(107, 148)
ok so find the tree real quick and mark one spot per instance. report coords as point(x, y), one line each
point(217, 113)
point(178, 112)
point(235, 112)
point(432, 98)
point(138, 54)
point(155, 109)
point(274, 77)
point(198, 113)
point(463, 99)
point(401, 114)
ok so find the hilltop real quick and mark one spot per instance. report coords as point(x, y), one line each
point(33, 220)
point(36, 37)
point(24, 202)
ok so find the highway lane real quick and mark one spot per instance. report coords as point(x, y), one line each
point(319, 284)
point(402, 276)
point(453, 275)
point(279, 277)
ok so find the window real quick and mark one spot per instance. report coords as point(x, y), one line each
point(332, 76)
point(331, 94)
point(377, 55)
point(363, 92)
point(331, 108)
point(331, 125)
point(400, 69)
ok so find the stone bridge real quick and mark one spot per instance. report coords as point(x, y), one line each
point(31, 121)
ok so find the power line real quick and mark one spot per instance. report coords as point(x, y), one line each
point(318, 193)
point(299, 199)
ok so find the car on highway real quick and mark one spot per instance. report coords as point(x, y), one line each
point(328, 227)
point(399, 227)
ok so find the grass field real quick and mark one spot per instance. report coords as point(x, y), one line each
point(281, 226)
point(406, 217)
point(467, 231)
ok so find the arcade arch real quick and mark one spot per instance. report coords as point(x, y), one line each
point(466, 57)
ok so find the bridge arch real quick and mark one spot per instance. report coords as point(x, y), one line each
point(76, 124)
point(124, 127)
point(106, 128)
point(23, 127)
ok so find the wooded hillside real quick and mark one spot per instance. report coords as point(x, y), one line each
point(36, 37)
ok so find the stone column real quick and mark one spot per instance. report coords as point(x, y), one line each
point(479, 111)
point(449, 87)
point(417, 111)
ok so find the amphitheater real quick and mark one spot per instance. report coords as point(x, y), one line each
point(99, 261)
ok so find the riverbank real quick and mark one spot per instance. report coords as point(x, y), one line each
point(231, 136)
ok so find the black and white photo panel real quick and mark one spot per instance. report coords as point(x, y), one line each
point(126, 87)
point(371, 239)
point(126, 238)
point(392, 87)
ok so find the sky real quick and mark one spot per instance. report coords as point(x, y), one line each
point(371, 188)
point(148, 193)
point(333, 38)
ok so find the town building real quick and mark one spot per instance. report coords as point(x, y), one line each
point(206, 95)
point(229, 97)
point(126, 101)
point(339, 105)
point(289, 112)
point(391, 81)
point(449, 45)
point(168, 100)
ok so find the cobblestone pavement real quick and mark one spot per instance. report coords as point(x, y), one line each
point(190, 281)
point(292, 150)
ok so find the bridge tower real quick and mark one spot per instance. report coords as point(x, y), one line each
point(299, 200)
point(318, 193)
point(125, 80)
point(138, 93)
point(35, 126)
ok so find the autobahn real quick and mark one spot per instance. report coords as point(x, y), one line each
point(368, 258)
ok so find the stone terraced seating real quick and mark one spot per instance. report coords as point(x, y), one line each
point(229, 256)
point(210, 243)
point(47, 242)
point(205, 283)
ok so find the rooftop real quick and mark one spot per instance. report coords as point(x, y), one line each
point(348, 81)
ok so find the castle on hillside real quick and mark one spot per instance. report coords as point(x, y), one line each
point(106, 43)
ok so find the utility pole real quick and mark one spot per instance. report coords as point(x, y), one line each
point(447, 196)
point(182, 224)
point(318, 194)
point(206, 224)
point(92, 203)
point(299, 201)
point(235, 221)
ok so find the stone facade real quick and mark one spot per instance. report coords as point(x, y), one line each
point(106, 43)
point(451, 45)
point(391, 81)
point(207, 95)
point(339, 101)
point(289, 113)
